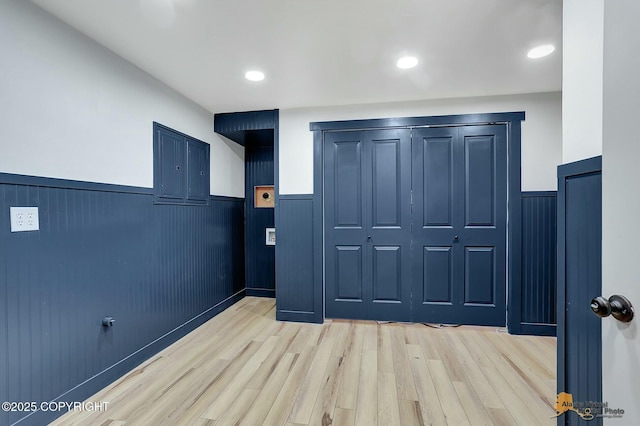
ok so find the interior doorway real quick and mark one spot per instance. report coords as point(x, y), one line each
point(259, 213)
point(257, 132)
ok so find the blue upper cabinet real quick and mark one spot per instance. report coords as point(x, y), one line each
point(170, 167)
point(180, 168)
point(198, 171)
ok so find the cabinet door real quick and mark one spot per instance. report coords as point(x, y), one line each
point(198, 171)
point(170, 178)
point(180, 167)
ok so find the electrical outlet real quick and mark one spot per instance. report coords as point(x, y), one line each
point(24, 219)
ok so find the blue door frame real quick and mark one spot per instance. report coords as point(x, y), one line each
point(512, 120)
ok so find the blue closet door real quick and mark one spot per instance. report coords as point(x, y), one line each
point(368, 224)
point(415, 224)
point(459, 225)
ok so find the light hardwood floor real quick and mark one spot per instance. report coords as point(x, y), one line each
point(243, 367)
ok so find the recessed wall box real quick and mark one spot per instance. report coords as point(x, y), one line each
point(271, 237)
point(263, 197)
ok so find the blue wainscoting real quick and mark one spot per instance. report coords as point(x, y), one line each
point(159, 270)
point(539, 258)
point(297, 263)
point(297, 295)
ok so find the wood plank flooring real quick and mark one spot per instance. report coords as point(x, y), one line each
point(244, 368)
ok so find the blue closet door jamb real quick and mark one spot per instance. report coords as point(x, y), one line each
point(514, 227)
point(318, 226)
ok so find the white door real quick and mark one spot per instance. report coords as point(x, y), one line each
point(621, 206)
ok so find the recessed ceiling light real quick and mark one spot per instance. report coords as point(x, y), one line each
point(254, 75)
point(541, 51)
point(407, 62)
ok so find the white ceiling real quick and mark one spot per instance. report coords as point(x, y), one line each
point(327, 52)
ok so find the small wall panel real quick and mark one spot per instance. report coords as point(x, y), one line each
point(479, 282)
point(438, 181)
point(349, 272)
point(480, 180)
point(387, 274)
point(386, 183)
point(437, 275)
point(348, 184)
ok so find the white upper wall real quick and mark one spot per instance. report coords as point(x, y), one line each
point(72, 109)
point(582, 50)
point(541, 133)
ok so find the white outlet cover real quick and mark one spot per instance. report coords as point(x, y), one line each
point(24, 219)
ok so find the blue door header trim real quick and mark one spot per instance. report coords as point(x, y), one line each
point(235, 125)
point(438, 120)
point(589, 165)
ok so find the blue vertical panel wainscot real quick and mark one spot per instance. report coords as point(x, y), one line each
point(539, 258)
point(159, 270)
point(297, 298)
